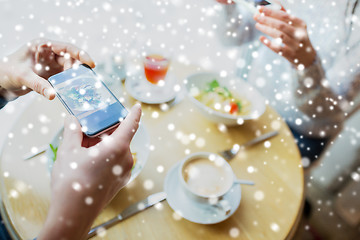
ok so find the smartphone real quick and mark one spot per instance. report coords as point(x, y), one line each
point(269, 3)
point(253, 4)
point(86, 97)
point(261, 2)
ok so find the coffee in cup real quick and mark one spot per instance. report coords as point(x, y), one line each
point(206, 178)
point(206, 175)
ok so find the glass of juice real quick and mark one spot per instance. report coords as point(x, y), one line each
point(156, 67)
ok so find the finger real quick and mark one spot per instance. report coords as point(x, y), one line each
point(63, 48)
point(128, 127)
point(68, 64)
point(44, 54)
point(39, 85)
point(33, 46)
point(282, 50)
point(281, 15)
point(278, 35)
point(73, 135)
point(275, 23)
point(60, 60)
point(282, 8)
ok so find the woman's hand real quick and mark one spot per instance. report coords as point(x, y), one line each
point(84, 180)
point(290, 35)
point(29, 68)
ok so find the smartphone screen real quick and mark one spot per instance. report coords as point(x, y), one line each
point(86, 97)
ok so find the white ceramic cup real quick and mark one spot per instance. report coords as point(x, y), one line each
point(206, 177)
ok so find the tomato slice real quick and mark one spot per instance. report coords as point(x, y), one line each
point(233, 108)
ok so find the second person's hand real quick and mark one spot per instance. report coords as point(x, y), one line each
point(290, 35)
point(29, 67)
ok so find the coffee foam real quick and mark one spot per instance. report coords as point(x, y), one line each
point(206, 177)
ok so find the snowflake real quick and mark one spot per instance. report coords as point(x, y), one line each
point(117, 170)
point(275, 227)
point(89, 200)
point(259, 195)
point(148, 184)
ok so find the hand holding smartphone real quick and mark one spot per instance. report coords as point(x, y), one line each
point(86, 97)
point(252, 5)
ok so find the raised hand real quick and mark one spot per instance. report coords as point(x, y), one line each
point(290, 36)
point(29, 68)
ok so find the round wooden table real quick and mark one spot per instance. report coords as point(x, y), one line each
point(269, 210)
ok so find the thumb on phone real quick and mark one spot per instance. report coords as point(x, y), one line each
point(39, 85)
point(72, 132)
point(128, 127)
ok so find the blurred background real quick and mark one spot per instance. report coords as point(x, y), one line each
point(107, 27)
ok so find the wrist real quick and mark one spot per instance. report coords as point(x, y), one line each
point(315, 65)
point(311, 60)
point(310, 78)
point(69, 219)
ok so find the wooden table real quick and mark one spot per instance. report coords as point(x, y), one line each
point(270, 210)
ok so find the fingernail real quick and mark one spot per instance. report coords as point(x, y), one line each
point(137, 105)
point(265, 41)
point(47, 93)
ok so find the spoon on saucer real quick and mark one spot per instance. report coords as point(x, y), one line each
point(244, 182)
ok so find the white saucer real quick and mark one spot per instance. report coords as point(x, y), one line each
point(143, 91)
point(194, 211)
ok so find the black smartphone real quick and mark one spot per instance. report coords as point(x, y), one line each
point(86, 97)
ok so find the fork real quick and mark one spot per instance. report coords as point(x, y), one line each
point(231, 153)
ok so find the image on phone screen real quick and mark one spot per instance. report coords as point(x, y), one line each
point(87, 98)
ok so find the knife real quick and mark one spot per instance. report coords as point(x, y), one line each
point(41, 150)
point(130, 211)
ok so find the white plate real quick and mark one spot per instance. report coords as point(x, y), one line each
point(149, 93)
point(139, 145)
point(199, 81)
point(194, 211)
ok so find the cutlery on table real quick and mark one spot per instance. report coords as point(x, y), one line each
point(130, 211)
point(41, 150)
point(231, 153)
point(222, 205)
